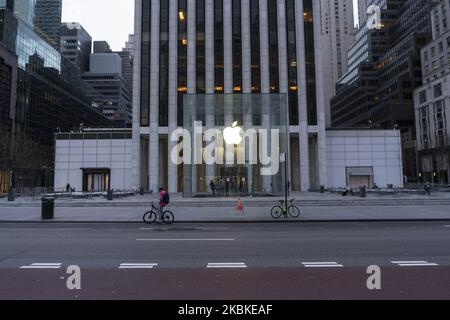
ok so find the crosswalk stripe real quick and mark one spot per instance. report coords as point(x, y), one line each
point(227, 265)
point(137, 265)
point(321, 265)
point(414, 263)
point(42, 266)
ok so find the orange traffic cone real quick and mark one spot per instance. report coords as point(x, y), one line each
point(240, 206)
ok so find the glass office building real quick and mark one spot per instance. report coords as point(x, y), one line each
point(50, 98)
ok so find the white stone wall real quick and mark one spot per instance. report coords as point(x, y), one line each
point(72, 155)
point(380, 149)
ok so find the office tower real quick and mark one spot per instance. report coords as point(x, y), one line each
point(76, 44)
point(47, 20)
point(432, 102)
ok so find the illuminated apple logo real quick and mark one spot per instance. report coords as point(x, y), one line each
point(232, 135)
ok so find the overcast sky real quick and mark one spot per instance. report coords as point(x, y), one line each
point(110, 20)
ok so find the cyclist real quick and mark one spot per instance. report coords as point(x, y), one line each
point(163, 201)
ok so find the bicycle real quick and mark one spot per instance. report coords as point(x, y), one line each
point(150, 216)
point(283, 210)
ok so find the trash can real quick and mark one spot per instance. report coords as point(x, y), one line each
point(141, 191)
point(11, 195)
point(363, 192)
point(110, 195)
point(322, 189)
point(48, 208)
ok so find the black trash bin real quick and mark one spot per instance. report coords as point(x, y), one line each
point(11, 195)
point(141, 191)
point(110, 195)
point(322, 189)
point(48, 208)
point(363, 192)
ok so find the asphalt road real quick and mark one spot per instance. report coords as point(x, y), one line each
point(226, 261)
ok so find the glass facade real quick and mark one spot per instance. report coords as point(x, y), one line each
point(50, 98)
point(242, 171)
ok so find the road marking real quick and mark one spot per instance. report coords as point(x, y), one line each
point(447, 226)
point(184, 239)
point(227, 265)
point(322, 265)
point(415, 263)
point(137, 265)
point(42, 266)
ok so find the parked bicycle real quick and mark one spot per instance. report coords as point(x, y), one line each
point(151, 216)
point(286, 210)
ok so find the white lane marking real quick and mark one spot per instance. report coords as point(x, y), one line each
point(414, 263)
point(184, 239)
point(42, 266)
point(321, 265)
point(447, 226)
point(227, 265)
point(137, 265)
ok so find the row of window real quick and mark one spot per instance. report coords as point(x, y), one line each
point(218, 34)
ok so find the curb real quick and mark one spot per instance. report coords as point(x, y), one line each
point(225, 221)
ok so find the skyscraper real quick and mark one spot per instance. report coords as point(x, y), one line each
point(76, 44)
point(47, 20)
point(221, 47)
point(23, 9)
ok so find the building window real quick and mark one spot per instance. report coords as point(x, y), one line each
point(200, 20)
point(310, 62)
point(437, 90)
point(237, 47)
point(164, 64)
point(182, 57)
point(423, 96)
point(255, 46)
point(292, 62)
point(218, 46)
point(145, 63)
point(273, 46)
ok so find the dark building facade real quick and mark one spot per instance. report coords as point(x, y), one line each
point(76, 44)
point(47, 20)
point(381, 92)
point(48, 100)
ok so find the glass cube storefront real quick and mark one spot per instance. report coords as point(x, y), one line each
point(236, 143)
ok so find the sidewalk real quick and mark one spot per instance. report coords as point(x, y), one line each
point(314, 207)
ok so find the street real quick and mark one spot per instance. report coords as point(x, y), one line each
point(225, 260)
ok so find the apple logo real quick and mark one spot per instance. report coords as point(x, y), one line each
point(232, 135)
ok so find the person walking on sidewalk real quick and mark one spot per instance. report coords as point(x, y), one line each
point(212, 185)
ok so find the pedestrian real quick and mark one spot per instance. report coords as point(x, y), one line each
point(227, 186)
point(427, 189)
point(68, 187)
point(212, 185)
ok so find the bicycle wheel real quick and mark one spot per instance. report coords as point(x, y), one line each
point(294, 211)
point(276, 212)
point(168, 217)
point(149, 217)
